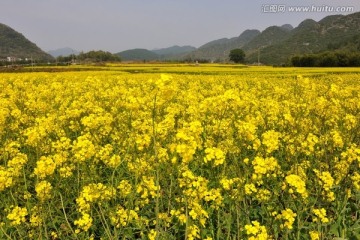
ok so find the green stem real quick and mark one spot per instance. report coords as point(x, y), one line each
point(157, 170)
point(66, 219)
point(2, 230)
point(104, 222)
point(187, 219)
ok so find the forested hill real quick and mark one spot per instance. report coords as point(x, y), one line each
point(277, 44)
point(13, 44)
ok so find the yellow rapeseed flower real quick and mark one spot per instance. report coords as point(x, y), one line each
point(17, 215)
point(296, 184)
point(43, 190)
point(320, 215)
point(255, 231)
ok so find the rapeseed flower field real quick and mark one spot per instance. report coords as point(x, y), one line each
point(189, 153)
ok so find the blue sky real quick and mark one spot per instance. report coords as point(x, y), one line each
point(117, 25)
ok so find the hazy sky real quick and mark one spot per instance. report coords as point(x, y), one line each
point(117, 25)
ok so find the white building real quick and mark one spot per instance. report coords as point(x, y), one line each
point(11, 59)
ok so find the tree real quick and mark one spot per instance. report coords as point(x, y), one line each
point(309, 60)
point(98, 56)
point(295, 61)
point(328, 59)
point(237, 55)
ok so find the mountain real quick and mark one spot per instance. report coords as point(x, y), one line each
point(218, 50)
point(288, 27)
point(269, 36)
point(63, 52)
point(174, 50)
point(170, 53)
point(336, 32)
point(138, 54)
point(13, 44)
point(277, 44)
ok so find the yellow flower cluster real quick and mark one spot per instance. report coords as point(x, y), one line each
point(314, 235)
point(264, 167)
point(195, 191)
point(35, 219)
point(13, 170)
point(320, 215)
point(308, 146)
point(45, 166)
point(288, 216)
point(43, 190)
point(90, 194)
point(345, 161)
point(327, 181)
point(116, 155)
point(271, 140)
point(295, 184)
point(83, 149)
point(84, 222)
point(147, 189)
point(214, 154)
point(255, 231)
point(193, 233)
point(356, 181)
point(152, 234)
point(123, 217)
point(17, 215)
point(187, 141)
point(124, 188)
point(106, 155)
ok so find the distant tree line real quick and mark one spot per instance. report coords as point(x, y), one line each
point(89, 57)
point(327, 59)
point(193, 60)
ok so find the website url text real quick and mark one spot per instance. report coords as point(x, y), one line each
point(282, 8)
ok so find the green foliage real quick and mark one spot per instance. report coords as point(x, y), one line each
point(98, 56)
point(14, 44)
point(237, 55)
point(335, 33)
point(327, 59)
point(65, 59)
point(173, 51)
point(90, 57)
point(138, 55)
point(218, 50)
point(269, 36)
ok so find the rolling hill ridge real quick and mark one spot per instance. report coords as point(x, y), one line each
point(170, 53)
point(14, 45)
point(332, 33)
point(275, 45)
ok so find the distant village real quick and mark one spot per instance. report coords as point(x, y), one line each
point(15, 62)
point(15, 59)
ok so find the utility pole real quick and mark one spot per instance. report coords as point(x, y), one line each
point(259, 50)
